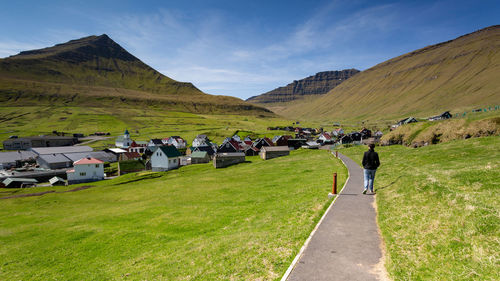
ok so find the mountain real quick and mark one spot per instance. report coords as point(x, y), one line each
point(456, 75)
point(96, 70)
point(318, 84)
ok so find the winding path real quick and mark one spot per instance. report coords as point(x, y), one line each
point(346, 245)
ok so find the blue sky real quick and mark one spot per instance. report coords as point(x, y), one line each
point(245, 48)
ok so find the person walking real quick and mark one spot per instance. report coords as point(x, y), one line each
point(370, 165)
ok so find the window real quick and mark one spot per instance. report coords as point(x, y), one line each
point(169, 161)
point(97, 165)
point(83, 174)
point(175, 161)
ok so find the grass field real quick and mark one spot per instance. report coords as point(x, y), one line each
point(439, 209)
point(244, 222)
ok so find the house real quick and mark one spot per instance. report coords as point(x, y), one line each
point(57, 181)
point(346, 139)
point(138, 146)
point(176, 141)
point(153, 143)
point(251, 151)
point(123, 141)
point(404, 122)
point(129, 156)
point(199, 157)
point(86, 170)
point(282, 140)
point(269, 152)
point(41, 141)
point(19, 182)
point(222, 160)
point(16, 158)
point(230, 146)
point(325, 138)
point(200, 140)
point(296, 143)
point(61, 149)
point(442, 116)
point(54, 161)
point(208, 149)
point(311, 145)
point(338, 132)
point(165, 158)
point(356, 136)
point(365, 133)
point(259, 143)
point(115, 151)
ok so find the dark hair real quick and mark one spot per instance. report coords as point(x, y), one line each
point(371, 146)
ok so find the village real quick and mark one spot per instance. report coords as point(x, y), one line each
point(60, 160)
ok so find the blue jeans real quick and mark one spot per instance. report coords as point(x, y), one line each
point(369, 178)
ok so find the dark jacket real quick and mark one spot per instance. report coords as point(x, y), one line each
point(370, 160)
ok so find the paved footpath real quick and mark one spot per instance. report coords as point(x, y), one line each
point(346, 245)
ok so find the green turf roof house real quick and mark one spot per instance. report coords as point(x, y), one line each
point(165, 158)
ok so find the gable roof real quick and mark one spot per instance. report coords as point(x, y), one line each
point(101, 155)
point(54, 158)
point(11, 157)
point(169, 151)
point(157, 141)
point(8, 181)
point(88, 160)
point(61, 149)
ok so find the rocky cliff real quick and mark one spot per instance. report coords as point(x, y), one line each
point(318, 84)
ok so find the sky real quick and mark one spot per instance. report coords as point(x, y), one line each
point(248, 47)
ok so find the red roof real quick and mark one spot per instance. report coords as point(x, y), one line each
point(248, 142)
point(269, 141)
point(327, 136)
point(88, 160)
point(235, 144)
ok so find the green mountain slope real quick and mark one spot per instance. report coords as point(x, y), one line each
point(95, 70)
point(456, 75)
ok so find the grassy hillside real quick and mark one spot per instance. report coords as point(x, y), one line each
point(457, 75)
point(196, 223)
point(97, 71)
point(438, 209)
point(426, 133)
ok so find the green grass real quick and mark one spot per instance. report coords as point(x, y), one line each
point(439, 209)
point(244, 222)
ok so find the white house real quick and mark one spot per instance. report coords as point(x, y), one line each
point(325, 138)
point(176, 141)
point(86, 170)
point(123, 141)
point(165, 158)
point(200, 140)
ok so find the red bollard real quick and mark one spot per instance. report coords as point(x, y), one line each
point(337, 153)
point(334, 188)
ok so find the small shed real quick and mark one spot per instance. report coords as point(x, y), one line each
point(57, 181)
point(269, 152)
point(222, 160)
point(19, 182)
point(251, 151)
point(199, 157)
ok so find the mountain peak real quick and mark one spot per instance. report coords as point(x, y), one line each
point(80, 50)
